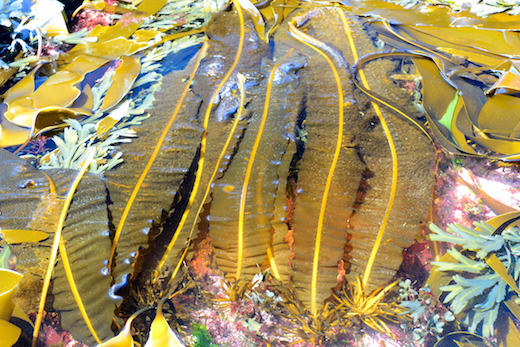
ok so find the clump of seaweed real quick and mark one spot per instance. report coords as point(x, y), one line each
point(478, 7)
point(357, 307)
point(478, 289)
point(429, 316)
point(73, 149)
point(201, 337)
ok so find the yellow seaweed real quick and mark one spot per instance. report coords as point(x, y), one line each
point(18, 236)
point(161, 335)
point(122, 81)
point(47, 105)
point(111, 49)
point(10, 333)
point(113, 41)
point(12, 134)
point(490, 50)
point(22, 88)
point(9, 281)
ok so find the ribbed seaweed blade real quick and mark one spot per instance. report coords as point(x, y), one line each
point(416, 160)
point(279, 238)
point(85, 233)
point(26, 203)
point(314, 281)
point(252, 177)
point(289, 95)
point(153, 196)
point(221, 140)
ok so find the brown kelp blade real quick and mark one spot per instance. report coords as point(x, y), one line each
point(290, 96)
point(243, 199)
point(58, 241)
point(329, 172)
point(228, 35)
point(154, 167)
point(387, 216)
point(27, 202)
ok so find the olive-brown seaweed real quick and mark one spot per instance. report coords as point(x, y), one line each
point(26, 202)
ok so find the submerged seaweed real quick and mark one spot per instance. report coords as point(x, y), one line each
point(282, 163)
point(478, 289)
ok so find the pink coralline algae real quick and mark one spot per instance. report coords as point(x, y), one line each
point(51, 334)
point(88, 19)
point(129, 18)
point(201, 263)
point(472, 190)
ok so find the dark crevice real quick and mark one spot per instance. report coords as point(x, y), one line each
point(202, 227)
point(159, 242)
point(364, 187)
point(301, 144)
point(111, 227)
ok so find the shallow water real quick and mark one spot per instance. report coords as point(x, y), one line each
point(269, 196)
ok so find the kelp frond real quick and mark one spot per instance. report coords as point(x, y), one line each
point(393, 151)
point(314, 44)
point(143, 175)
point(201, 161)
point(55, 246)
point(65, 257)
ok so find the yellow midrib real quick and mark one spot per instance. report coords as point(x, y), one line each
point(393, 151)
point(203, 142)
point(300, 36)
point(243, 196)
point(56, 243)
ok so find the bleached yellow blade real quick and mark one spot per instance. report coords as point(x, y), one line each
point(9, 333)
point(13, 236)
point(8, 282)
point(161, 335)
point(124, 338)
